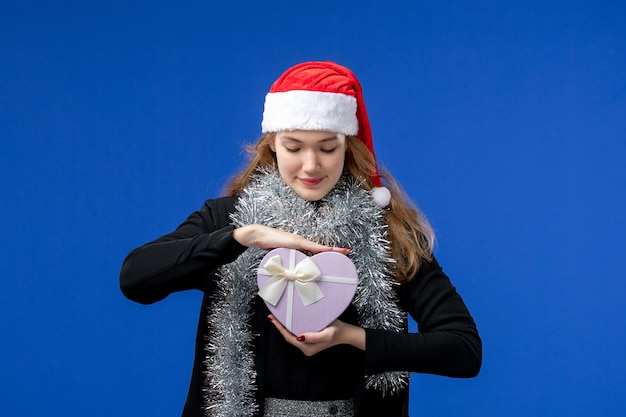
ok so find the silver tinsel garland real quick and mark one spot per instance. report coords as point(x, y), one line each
point(346, 217)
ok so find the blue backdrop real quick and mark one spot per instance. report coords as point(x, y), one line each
point(504, 120)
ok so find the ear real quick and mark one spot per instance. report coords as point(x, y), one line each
point(272, 145)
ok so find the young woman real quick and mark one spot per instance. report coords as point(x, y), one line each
point(313, 185)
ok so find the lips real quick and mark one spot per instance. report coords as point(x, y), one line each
point(311, 182)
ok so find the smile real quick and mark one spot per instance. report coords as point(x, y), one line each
point(311, 182)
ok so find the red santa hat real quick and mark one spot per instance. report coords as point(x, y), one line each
point(322, 96)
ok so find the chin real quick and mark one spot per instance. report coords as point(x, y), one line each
point(312, 196)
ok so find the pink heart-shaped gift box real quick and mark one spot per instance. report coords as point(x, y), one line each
point(337, 283)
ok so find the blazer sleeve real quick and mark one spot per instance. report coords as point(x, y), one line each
point(183, 259)
point(447, 342)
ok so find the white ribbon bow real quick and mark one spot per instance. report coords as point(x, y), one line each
point(303, 276)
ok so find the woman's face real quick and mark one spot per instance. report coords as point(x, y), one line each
point(310, 162)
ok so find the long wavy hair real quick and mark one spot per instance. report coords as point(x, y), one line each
point(411, 236)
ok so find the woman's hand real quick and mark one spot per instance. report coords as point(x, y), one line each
point(270, 238)
point(337, 333)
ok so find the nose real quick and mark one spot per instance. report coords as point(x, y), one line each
point(310, 162)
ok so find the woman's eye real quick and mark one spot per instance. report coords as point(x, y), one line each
point(329, 150)
point(292, 149)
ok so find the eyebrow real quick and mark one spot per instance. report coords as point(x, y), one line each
point(328, 139)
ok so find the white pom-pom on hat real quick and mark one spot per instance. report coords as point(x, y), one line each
point(381, 196)
point(322, 96)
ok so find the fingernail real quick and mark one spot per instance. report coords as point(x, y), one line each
point(300, 338)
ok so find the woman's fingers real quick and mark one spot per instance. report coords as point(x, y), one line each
point(316, 248)
point(289, 337)
point(269, 238)
point(309, 343)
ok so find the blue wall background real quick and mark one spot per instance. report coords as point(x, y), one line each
point(504, 120)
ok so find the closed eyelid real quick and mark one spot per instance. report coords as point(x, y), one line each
point(294, 144)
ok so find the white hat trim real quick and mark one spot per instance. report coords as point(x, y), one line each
point(310, 110)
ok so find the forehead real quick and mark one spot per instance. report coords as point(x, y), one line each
point(309, 136)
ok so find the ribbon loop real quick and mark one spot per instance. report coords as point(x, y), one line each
point(303, 275)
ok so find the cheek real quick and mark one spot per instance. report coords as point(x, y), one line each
point(286, 162)
point(336, 163)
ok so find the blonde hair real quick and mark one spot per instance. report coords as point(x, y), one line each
point(411, 236)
